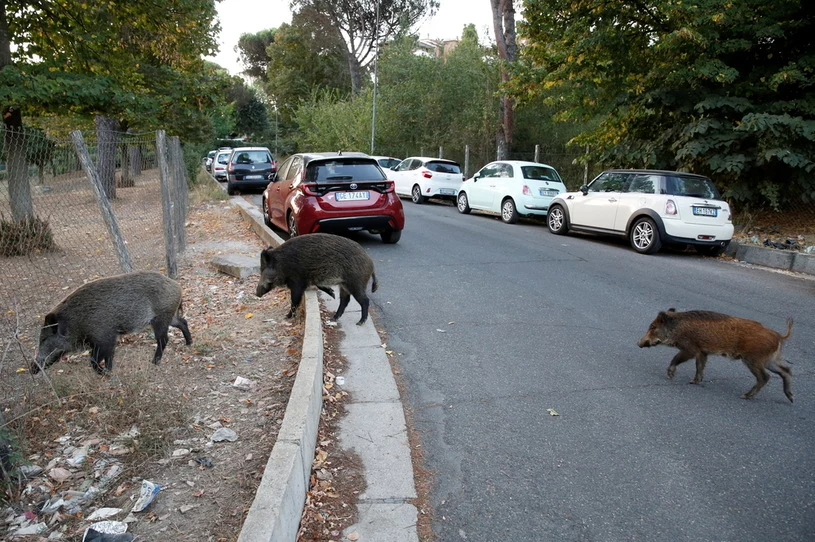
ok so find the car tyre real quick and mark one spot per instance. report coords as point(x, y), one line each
point(391, 237)
point(416, 194)
point(266, 219)
point(462, 204)
point(556, 220)
point(230, 189)
point(509, 213)
point(644, 236)
point(709, 250)
point(292, 224)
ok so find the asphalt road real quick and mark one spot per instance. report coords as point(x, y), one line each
point(495, 324)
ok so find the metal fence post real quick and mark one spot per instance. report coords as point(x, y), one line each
point(179, 191)
point(104, 205)
point(166, 202)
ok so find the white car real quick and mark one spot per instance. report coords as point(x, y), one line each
point(220, 163)
point(510, 188)
point(421, 177)
point(650, 208)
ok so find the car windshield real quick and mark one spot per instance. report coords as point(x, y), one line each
point(223, 158)
point(343, 170)
point(698, 187)
point(540, 173)
point(252, 157)
point(443, 167)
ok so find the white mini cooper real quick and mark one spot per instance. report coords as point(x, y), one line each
point(650, 208)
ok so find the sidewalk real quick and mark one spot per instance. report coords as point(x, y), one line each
point(374, 428)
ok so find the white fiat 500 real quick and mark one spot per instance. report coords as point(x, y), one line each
point(421, 177)
point(511, 189)
point(650, 208)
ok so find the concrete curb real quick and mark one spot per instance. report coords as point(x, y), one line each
point(278, 505)
point(799, 262)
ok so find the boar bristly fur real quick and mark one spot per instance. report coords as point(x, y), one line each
point(95, 314)
point(321, 260)
point(698, 334)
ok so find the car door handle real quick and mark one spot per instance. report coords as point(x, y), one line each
point(612, 200)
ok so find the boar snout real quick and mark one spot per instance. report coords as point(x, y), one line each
point(263, 289)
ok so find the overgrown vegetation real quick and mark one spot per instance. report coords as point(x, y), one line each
point(29, 235)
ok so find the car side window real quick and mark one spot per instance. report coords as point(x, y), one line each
point(293, 173)
point(281, 172)
point(404, 166)
point(487, 171)
point(507, 171)
point(608, 182)
point(414, 164)
point(642, 184)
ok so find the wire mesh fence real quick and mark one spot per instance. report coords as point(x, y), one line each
point(72, 210)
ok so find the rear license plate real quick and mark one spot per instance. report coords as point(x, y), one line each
point(705, 211)
point(253, 177)
point(353, 196)
point(447, 192)
point(548, 193)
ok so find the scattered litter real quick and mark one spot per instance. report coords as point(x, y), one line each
point(552, 412)
point(148, 493)
point(108, 531)
point(103, 513)
point(224, 433)
point(330, 323)
point(59, 474)
point(441, 331)
point(243, 384)
point(789, 244)
point(340, 381)
point(187, 507)
point(205, 462)
point(181, 452)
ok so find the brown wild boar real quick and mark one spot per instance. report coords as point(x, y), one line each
point(96, 313)
point(321, 260)
point(699, 333)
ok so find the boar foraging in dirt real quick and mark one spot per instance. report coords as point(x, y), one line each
point(321, 260)
point(96, 313)
point(699, 333)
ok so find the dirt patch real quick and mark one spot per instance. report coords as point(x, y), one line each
point(156, 423)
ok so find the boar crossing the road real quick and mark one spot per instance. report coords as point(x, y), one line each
point(96, 313)
point(322, 260)
point(698, 334)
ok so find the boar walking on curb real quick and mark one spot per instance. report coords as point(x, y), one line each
point(698, 334)
point(96, 313)
point(321, 260)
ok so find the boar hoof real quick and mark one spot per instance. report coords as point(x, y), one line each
point(671, 372)
point(695, 381)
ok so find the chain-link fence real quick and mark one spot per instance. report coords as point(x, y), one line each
point(72, 210)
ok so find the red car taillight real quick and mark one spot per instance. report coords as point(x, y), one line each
point(230, 167)
point(389, 187)
point(426, 174)
point(526, 191)
point(670, 207)
point(308, 189)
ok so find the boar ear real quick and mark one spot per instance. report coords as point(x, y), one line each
point(671, 310)
point(62, 326)
point(267, 258)
point(50, 323)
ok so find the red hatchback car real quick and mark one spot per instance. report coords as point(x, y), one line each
point(333, 193)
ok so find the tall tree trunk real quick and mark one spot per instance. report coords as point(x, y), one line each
point(356, 73)
point(14, 138)
point(503, 23)
point(106, 129)
point(19, 188)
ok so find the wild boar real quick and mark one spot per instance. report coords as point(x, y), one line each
point(96, 313)
point(699, 333)
point(321, 260)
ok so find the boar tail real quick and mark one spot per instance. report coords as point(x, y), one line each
point(789, 329)
point(374, 284)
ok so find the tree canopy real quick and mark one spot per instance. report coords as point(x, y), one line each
point(723, 87)
point(363, 24)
